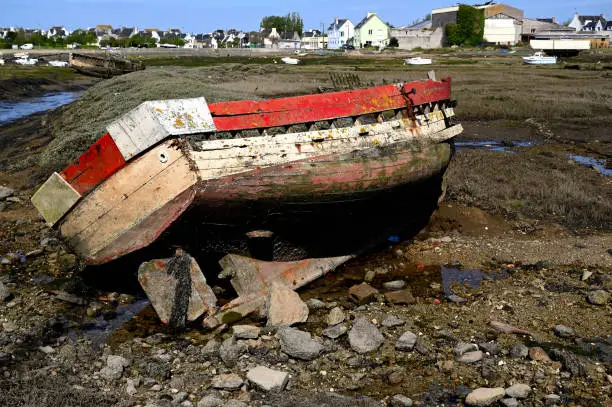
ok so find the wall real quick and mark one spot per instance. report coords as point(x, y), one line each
point(441, 19)
point(560, 44)
point(503, 31)
point(426, 39)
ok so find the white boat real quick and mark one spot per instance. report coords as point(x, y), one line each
point(58, 64)
point(539, 58)
point(290, 61)
point(418, 61)
point(26, 61)
point(1, 62)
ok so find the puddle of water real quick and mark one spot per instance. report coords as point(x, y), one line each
point(600, 164)
point(472, 278)
point(13, 110)
point(492, 145)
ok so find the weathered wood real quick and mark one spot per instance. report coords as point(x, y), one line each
point(55, 198)
point(127, 199)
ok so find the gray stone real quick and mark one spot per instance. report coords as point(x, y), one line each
point(246, 331)
point(5, 192)
point(406, 341)
point(364, 337)
point(391, 320)
point(210, 401)
point(46, 350)
point(315, 304)
point(114, 367)
point(335, 316)
point(484, 396)
point(298, 344)
point(519, 351)
point(456, 299)
point(130, 387)
point(518, 391)
point(117, 361)
point(336, 331)
point(211, 348)
point(179, 397)
point(400, 400)
point(394, 285)
point(369, 276)
point(5, 293)
point(492, 348)
point(598, 297)
point(267, 379)
point(463, 347)
point(110, 373)
point(235, 403)
point(230, 350)
point(563, 331)
point(285, 307)
point(471, 357)
point(230, 381)
point(552, 399)
point(509, 402)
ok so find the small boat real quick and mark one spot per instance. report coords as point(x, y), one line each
point(539, 58)
point(103, 67)
point(1, 61)
point(24, 59)
point(58, 64)
point(321, 175)
point(418, 61)
point(290, 61)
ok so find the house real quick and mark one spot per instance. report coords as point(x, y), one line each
point(608, 26)
point(60, 32)
point(314, 39)
point(102, 30)
point(340, 32)
point(533, 27)
point(124, 32)
point(204, 41)
point(289, 40)
point(371, 32)
point(588, 23)
point(271, 38)
point(503, 23)
point(151, 32)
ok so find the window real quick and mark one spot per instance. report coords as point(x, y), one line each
point(342, 33)
point(370, 32)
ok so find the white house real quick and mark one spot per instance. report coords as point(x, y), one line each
point(340, 32)
point(588, 23)
point(271, 38)
point(60, 32)
point(290, 41)
point(314, 39)
point(503, 29)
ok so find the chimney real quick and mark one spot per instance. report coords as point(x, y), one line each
point(554, 20)
point(336, 20)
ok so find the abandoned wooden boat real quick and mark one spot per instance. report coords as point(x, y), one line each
point(317, 175)
point(103, 67)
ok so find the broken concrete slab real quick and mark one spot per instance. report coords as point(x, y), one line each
point(362, 293)
point(268, 379)
point(285, 307)
point(161, 286)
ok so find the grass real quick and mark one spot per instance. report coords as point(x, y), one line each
point(10, 72)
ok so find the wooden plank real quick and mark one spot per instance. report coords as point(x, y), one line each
point(55, 198)
point(127, 199)
point(311, 108)
point(95, 165)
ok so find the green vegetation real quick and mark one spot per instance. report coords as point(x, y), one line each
point(393, 42)
point(138, 41)
point(20, 37)
point(469, 29)
point(290, 23)
point(178, 41)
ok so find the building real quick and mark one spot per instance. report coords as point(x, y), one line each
point(503, 23)
point(562, 42)
point(533, 27)
point(340, 32)
point(57, 31)
point(271, 38)
point(289, 40)
point(125, 32)
point(588, 23)
point(371, 32)
point(419, 35)
point(314, 39)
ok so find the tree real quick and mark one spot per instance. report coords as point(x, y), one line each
point(393, 42)
point(290, 23)
point(427, 17)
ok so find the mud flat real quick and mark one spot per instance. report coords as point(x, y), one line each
point(522, 239)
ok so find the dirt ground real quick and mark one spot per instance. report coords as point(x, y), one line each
point(525, 226)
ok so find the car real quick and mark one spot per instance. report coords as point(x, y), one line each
point(27, 46)
point(347, 46)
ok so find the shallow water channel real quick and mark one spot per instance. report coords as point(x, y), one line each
point(15, 109)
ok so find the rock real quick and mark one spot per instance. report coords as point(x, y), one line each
point(5, 293)
point(336, 331)
point(47, 350)
point(315, 304)
point(335, 316)
point(210, 401)
point(211, 348)
point(488, 369)
point(180, 397)
point(94, 309)
point(391, 320)
point(395, 377)
point(463, 347)
point(424, 347)
point(518, 391)
point(110, 373)
point(400, 400)
point(400, 297)
point(230, 350)
point(586, 274)
point(70, 298)
point(362, 293)
point(509, 402)
point(369, 276)
point(364, 337)
point(394, 285)
point(298, 344)
point(406, 342)
point(114, 367)
point(268, 379)
point(5, 192)
point(492, 348)
point(130, 387)
point(455, 298)
point(230, 381)
point(570, 362)
point(246, 331)
point(552, 399)
point(471, 357)
point(563, 331)
point(519, 351)
point(539, 354)
point(598, 297)
point(484, 396)
point(285, 307)
point(235, 403)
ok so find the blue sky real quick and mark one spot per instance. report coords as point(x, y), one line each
point(204, 16)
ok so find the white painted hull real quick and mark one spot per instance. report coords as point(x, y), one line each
point(290, 61)
point(418, 61)
point(540, 60)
